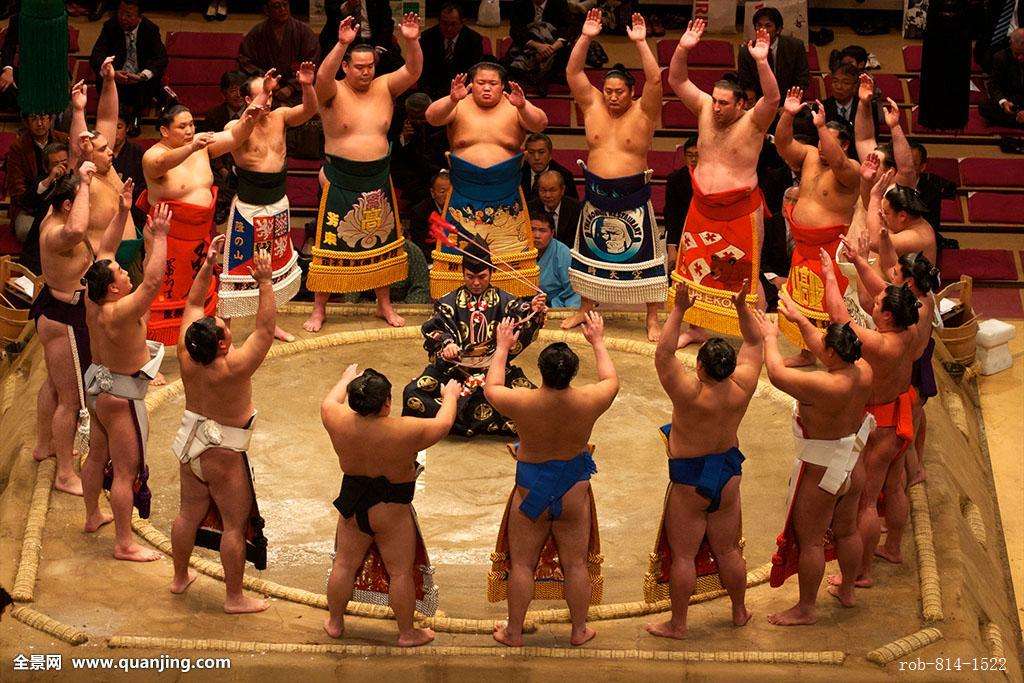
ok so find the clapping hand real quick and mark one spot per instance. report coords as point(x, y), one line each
point(159, 222)
point(214, 250)
point(125, 202)
point(306, 73)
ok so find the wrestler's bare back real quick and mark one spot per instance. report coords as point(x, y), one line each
point(617, 145)
point(217, 391)
point(891, 364)
point(728, 155)
point(188, 182)
point(542, 438)
point(485, 136)
point(376, 446)
point(356, 123)
point(104, 203)
point(117, 338)
point(264, 151)
point(62, 269)
point(823, 200)
point(839, 411)
point(705, 420)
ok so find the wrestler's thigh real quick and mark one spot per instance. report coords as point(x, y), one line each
point(195, 496)
point(116, 415)
point(526, 537)
point(876, 456)
point(572, 528)
point(395, 534)
point(844, 519)
point(896, 475)
point(99, 442)
point(685, 520)
point(724, 523)
point(350, 544)
point(60, 364)
point(224, 471)
point(812, 509)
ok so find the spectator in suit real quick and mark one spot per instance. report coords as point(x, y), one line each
point(139, 58)
point(563, 209)
point(787, 57)
point(538, 150)
point(553, 259)
point(26, 167)
point(842, 102)
point(854, 55)
point(678, 194)
point(933, 189)
point(376, 27)
point(1005, 105)
point(541, 39)
point(449, 48)
point(231, 88)
point(419, 215)
point(417, 149)
point(128, 164)
point(36, 201)
point(279, 42)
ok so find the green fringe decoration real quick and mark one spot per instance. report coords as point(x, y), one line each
point(43, 63)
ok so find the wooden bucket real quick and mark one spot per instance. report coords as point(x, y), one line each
point(961, 324)
point(14, 308)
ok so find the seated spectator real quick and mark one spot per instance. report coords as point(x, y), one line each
point(537, 150)
point(1005, 105)
point(36, 202)
point(933, 189)
point(417, 149)
point(787, 57)
point(854, 55)
point(231, 85)
point(553, 259)
point(541, 40)
point(376, 27)
point(419, 215)
point(279, 42)
point(26, 168)
point(842, 102)
point(128, 164)
point(678, 194)
point(564, 210)
point(139, 58)
point(449, 48)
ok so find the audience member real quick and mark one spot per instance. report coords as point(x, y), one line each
point(26, 168)
point(419, 215)
point(376, 27)
point(215, 119)
point(933, 189)
point(537, 149)
point(787, 57)
point(128, 164)
point(449, 48)
point(564, 210)
point(279, 42)
point(37, 202)
point(678, 194)
point(1005, 105)
point(854, 55)
point(553, 259)
point(139, 58)
point(540, 32)
point(842, 102)
point(417, 149)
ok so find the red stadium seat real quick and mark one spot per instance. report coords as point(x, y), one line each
point(303, 191)
point(145, 143)
point(503, 45)
point(707, 53)
point(487, 45)
point(945, 168)
point(556, 109)
point(994, 207)
point(912, 58)
point(812, 58)
point(199, 98)
point(304, 164)
point(662, 163)
point(9, 244)
point(198, 71)
point(674, 114)
point(658, 199)
point(568, 158)
point(977, 95)
point(199, 44)
point(978, 172)
point(976, 125)
point(981, 264)
point(952, 211)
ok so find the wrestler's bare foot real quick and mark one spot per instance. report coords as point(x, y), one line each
point(859, 582)
point(135, 553)
point(666, 629)
point(502, 635)
point(415, 637)
point(158, 381)
point(800, 360)
point(245, 605)
point(70, 484)
point(282, 335)
point(93, 523)
point(794, 616)
point(334, 630)
point(574, 320)
point(314, 322)
point(889, 555)
point(844, 596)
point(577, 638)
point(653, 329)
point(179, 586)
point(741, 616)
point(40, 454)
point(694, 335)
point(389, 316)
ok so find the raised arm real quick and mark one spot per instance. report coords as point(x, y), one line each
point(870, 280)
point(74, 229)
point(158, 159)
point(500, 396)
point(805, 387)
point(296, 116)
point(442, 111)
point(845, 169)
point(748, 360)
point(136, 304)
point(607, 379)
point(650, 101)
point(888, 257)
point(437, 427)
point(835, 305)
point(679, 73)
point(531, 117)
point(79, 97)
point(902, 156)
point(256, 345)
point(195, 304)
point(863, 121)
point(672, 374)
point(791, 151)
point(765, 108)
point(334, 404)
point(231, 139)
point(583, 91)
point(326, 83)
point(112, 234)
point(401, 80)
point(106, 111)
point(873, 211)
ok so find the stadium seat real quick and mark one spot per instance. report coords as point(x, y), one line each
point(952, 211)
point(568, 157)
point(674, 114)
point(812, 58)
point(556, 109)
point(200, 44)
point(658, 199)
point(976, 126)
point(487, 46)
point(503, 45)
point(198, 71)
point(977, 94)
point(303, 191)
point(294, 164)
point(978, 172)
point(995, 207)
point(707, 53)
point(945, 168)
point(199, 98)
point(661, 163)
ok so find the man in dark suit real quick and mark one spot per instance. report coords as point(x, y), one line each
point(933, 189)
point(841, 105)
point(564, 210)
point(419, 215)
point(523, 14)
point(538, 149)
point(678, 195)
point(376, 27)
point(140, 59)
point(1005, 105)
point(449, 48)
point(787, 57)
